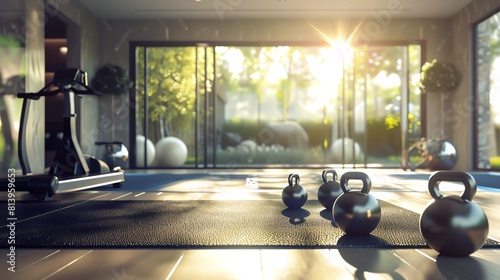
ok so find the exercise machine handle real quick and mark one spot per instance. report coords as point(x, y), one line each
point(46, 93)
point(71, 79)
point(32, 95)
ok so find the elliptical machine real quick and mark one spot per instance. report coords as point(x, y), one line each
point(70, 170)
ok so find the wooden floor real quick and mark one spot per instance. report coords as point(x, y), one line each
point(252, 264)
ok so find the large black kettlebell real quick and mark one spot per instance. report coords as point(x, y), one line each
point(453, 225)
point(356, 212)
point(294, 195)
point(329, 191)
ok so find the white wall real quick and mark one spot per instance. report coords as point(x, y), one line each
point(460, 103)
point(445, 40)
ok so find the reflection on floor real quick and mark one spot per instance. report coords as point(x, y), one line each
point(408, 190)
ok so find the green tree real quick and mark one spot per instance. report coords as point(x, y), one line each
point(256, 67)
point(495, 36)
point(250, 79)
point(298, 76)
point(171, 89)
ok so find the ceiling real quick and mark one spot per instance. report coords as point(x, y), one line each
point(268, 9)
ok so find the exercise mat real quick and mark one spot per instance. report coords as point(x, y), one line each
point(204, 224)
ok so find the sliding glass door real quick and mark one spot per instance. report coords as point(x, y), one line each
point(382, 114)
point(291, 105)
point(487, 94)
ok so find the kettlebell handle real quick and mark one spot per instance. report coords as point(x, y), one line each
point(356, 175)
point(326, 172)
point(452, 176)
point(291, 177)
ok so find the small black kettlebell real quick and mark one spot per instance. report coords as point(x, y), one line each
point(294, 195)
point(453, 225)
point(356, 212)
point(329, 191)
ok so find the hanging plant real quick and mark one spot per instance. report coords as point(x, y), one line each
point(111, 79)
point(439, 77)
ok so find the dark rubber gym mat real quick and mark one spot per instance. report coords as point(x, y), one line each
point(205, 224)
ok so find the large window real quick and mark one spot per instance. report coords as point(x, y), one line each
point(488, 93)
point(293, 105)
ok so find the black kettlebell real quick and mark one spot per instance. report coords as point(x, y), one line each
point(294, 195)
point(329, 191)
point(356, 212)
point(453, 225)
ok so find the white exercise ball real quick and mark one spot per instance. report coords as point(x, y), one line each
point(171, 152)
point(139, 151)
point(352, 151)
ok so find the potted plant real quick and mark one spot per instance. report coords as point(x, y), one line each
point(439, 78)
point(111, 80)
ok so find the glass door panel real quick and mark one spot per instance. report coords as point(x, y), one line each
point(278, 104)
point(166, 98)
point(382, 105)
point(242, 106)
point(385, 77)
point(487, 121)
point(206, 99)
